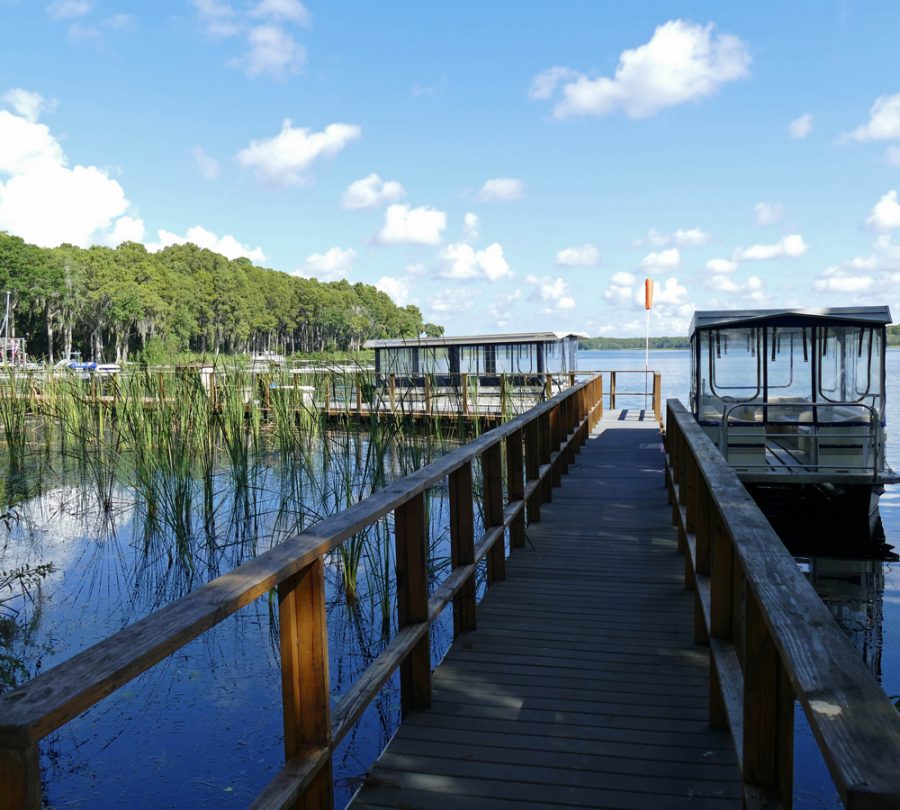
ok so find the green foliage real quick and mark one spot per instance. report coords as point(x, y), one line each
point(125, 303)
point(604, 343)
point(893, 335)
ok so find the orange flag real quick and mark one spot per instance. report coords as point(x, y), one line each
point(648, 293)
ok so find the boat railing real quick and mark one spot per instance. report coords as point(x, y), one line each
point(834, 438)
point(772, 640)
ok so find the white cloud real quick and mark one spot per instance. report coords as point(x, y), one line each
point(451, 302)
point(752, 289)
point(791, 246)
point(885, 215)
point(500, 310)
point(284, 159)
point(691, 237)
point(397, 288)
point(332, 265)
point(208, 167)
point(126, 229)
point(669, 293)
point(682, 62)
point(283, 11)
point(892, 156)
point(501, 189)
point(46, 202)
point(552, 292)
point(620, 288)
point(371, 191)
point(800, 127)
point(883, 123)
point(663, 261)
point(27, 103)
point(219, 19)
point(833, 281)
point(768, 213)
point(412, 226)
point(462, 262)
point(470, 227)
point(228, 246)
point(623, 279)
point(272, 52)
point(67, 9)
point(584, 256)
point(721, 266)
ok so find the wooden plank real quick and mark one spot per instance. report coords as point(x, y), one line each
point(462, 546)
point(492, 493)
point(515, 471)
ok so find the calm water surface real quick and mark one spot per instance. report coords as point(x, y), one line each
point(203, 727)
point(863, 595)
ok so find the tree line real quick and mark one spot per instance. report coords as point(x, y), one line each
point(114, 303)
point(606, 343)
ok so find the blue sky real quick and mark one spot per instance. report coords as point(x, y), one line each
point(504, 166)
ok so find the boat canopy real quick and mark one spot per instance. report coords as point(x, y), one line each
point(520, 353)
point(857, 316)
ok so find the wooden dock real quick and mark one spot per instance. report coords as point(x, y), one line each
point(582, 685)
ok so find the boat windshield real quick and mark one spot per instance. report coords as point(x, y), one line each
point(787, 366)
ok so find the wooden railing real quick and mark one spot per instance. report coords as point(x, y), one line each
point(538, 447)
point(772, 639)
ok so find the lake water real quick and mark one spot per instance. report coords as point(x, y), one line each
point(863, 595)
point(203, 727)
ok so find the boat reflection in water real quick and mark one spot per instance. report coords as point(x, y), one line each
point(853, 590)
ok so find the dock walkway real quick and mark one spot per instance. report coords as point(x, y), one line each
point(582, 686)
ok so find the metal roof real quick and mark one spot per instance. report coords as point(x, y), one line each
point(872, 316)
point(471, 340)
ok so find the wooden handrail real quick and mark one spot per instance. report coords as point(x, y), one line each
point(550, 432)
point(772, 639)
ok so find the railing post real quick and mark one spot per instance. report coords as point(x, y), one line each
point(515, 486)
point(657, 396)
point(410, 533)
point(768, 711)
point(555, 430)
point(532, 467)
point(305, 686)
point(20, 776)
point(546, 440)
point(721, 579)
point(502, 395)
point(612, 390)
point(492, 490)
point(548, 386)
point(462, 546)
point(562, 432)
point(571, 379)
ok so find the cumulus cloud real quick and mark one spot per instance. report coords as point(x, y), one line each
point(371, 191)
point(227, 245)
point(26, 103)
point(791, 246)
point(682, 237)
point(284, 159)
point(752, 289)
point(462, 261)
point(800, 127)
point(44, 200)
point(768, 213)
point(869, 279)
point(283, 11)
point(682, 62)
point(68, 9)
point(721, 266)
point(500, 310)
point(404, 225)
point(470, 227)
point(271, 51)
point(125, 229)
point(833, 280)
point(665, 294)
point(584, 256)
point(501, 189)
point(883, 123)
point(450, 302)
point(332, 265)
point(397, 288)
point(208, 167)
point(663, 261)
point(620, 288)
point(553, 293)
point(885, 215)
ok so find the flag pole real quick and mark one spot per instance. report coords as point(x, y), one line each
point(648, 303)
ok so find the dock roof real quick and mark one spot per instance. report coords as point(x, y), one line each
point(871, 316)
point(471, 340)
